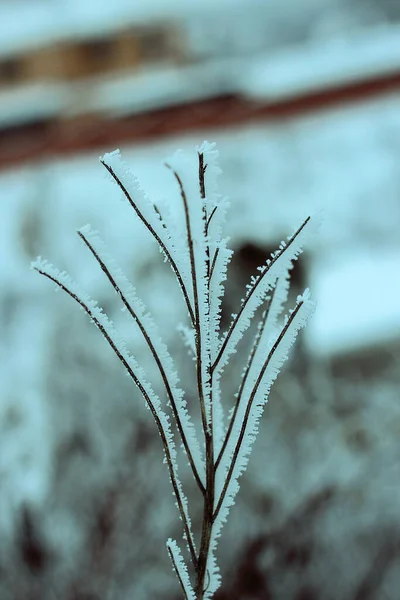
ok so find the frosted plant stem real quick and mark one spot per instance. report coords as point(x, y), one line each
point(243, 382)
point(250, 403)
point(177, 573)
point(199, 256)
point(208, 506)
point(208, 521)
point(179, 570)
point(150, 404)
point(211, 215)
point(214, 260)
point(252, 291)
point(153, 351)
point(198, 340)
point(156, 237)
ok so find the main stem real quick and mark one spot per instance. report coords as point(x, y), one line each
point(208, 520)
point(208, 512)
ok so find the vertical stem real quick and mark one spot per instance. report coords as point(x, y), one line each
point(208, 519)
point(208, 511)
point(197, 324)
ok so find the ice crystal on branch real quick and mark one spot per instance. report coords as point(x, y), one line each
point(192, 242)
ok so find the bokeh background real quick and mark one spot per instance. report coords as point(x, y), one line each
point(303, 100)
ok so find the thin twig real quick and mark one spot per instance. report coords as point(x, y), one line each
point(151, 406)
point(160, 215)
point(210, 471)
point(195, 298)
point(214, 260)
point(202, 171)
point(202, 185)
point(156, 237)
point(153, 351)
point(244, 379)
point(210, 217)
point(177, 572)
point(252, 290)
point(250, 403)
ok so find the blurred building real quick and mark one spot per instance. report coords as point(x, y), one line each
point(75, 76)
point(303, 101)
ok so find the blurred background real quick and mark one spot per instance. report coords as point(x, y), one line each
point(302, 98)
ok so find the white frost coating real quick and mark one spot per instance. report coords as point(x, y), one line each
point(263, 374)
point(144, 319)
point(306, 307)
point(62, 279)
point(99, 318)
point(197, 243)
point(278, 299)
point(213, 578)
point(266, 331)
point(147, 212)
point(275, 267)
point(211, 158)
point(188, 336)
point(191, 237)
point(220, 255)
point(132, 185)
point(181, 569)
point(219, 275)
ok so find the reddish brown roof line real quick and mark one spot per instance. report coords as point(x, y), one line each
point(55, 138)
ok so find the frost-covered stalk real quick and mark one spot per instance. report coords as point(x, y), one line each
point(198, 254)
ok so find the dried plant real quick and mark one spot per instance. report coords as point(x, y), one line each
point(198, 254)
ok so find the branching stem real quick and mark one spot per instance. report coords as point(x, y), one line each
point(252, 290)
point(150, 404)
point(249, 405)
point(193, 268)
point(243, 381)
point(202, 290)
point(156, 237)
point(153, 351)
point(208, 506)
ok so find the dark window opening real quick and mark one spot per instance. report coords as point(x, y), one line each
point(10, 70)
point(98, 52)
point(153, 44)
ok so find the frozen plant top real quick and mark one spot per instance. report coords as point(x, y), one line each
point(192, 242)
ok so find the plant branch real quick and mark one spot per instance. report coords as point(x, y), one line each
point(234, 323)
point(147, 398)
point(177, 571)
point(210, 471)
point(210, 217)
point(244, 379)
point(156, 237)
point(250, 403)
point(214, 260)
point(196, 299)
point(154, 353)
